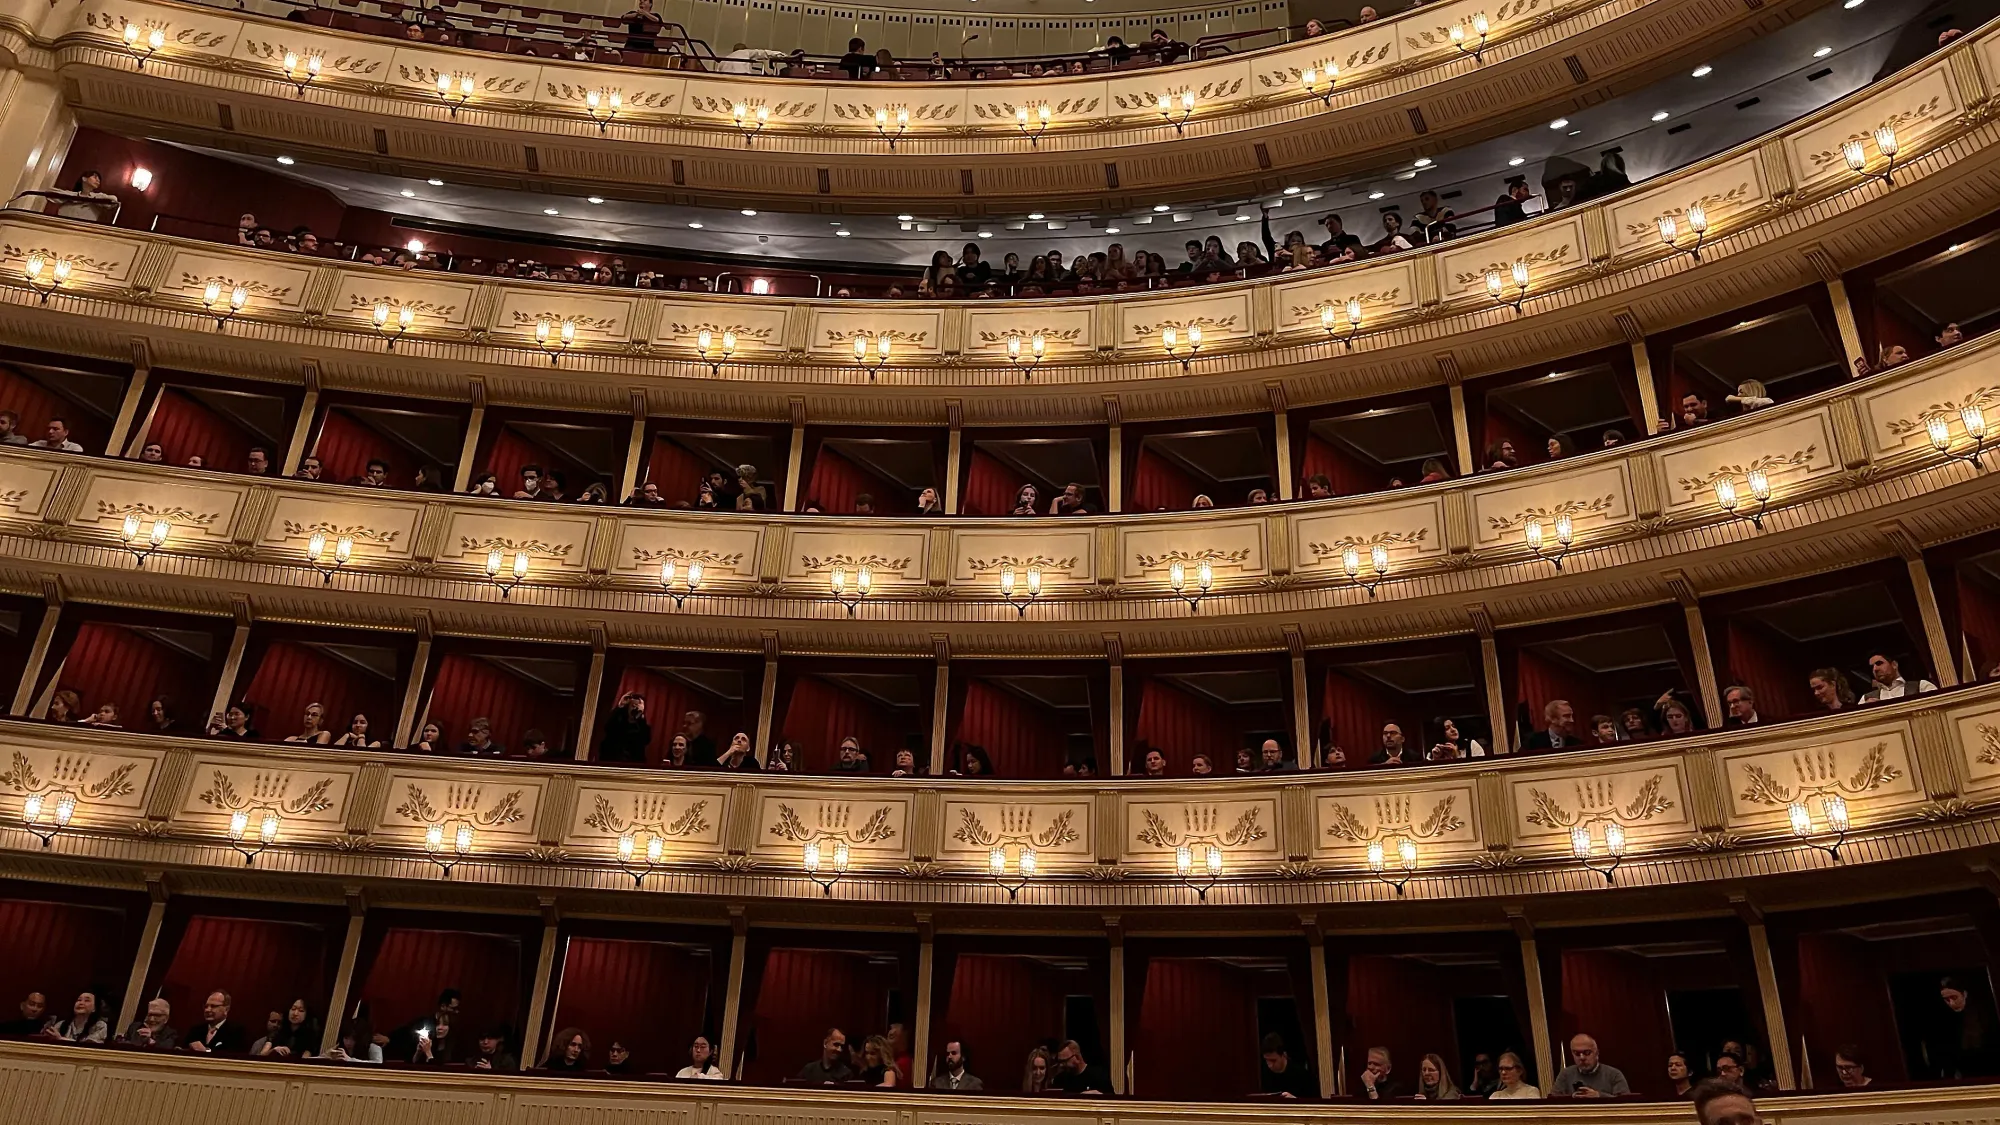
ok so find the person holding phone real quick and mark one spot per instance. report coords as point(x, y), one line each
point(411, 1042)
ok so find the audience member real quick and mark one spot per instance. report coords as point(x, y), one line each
point(56, 437)
point(1279, 1076)
point(701, 1062)
point(953, 1075)
point(297, 1036)
point(1729, 1064)
point(1965, 1040)
point(1680, 1076)
point(1376, 1085)
point(1271, 758)
point(700, 747)
point(618, 1059)
point(1393, 751)
point(1511, 1087)
point(834, 1064)
point(411, 1041)
point(973, 762)
point(34, 1016)
point(1741, 704)
point(105, 716)
point(1560, 729)
point(309, 469)
point(1035, 1072)
point(430, 740)
point(1434, 1082)
point(232, 723)
point(1201, 765)
point(1750, 395)
point(272, 1022)
point(878, 1066)
point(1850, 1067)
point(1724, 1103)
point(10, 429)
point(489, 1052)
point(1074, 1075)
point(84, 1024)
point(1889, 683)
point(627, 734)
point(216, 1033)
point(569, 1050)
point(1830, 690)
point(1589, 1076)
point(356, 735)
point(739, 755)
point(154, 1030)
point(479, 741)
point(1484, 1078)
point(312, 729)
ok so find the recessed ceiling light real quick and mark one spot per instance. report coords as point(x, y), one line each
point(1291, 191)
point(1422, 162)
point(1376, 194)
point(749, 213)
point(1161, 207)
point(1661, 115)
point(550, 211)
point(1559, 123)
point(906, 218)
point(1035, 216)
point(1704, 70)
point(595, 199)
point(1853, 4)
point(1576, 132)
point(986, 234)
point(694, 226)
point(842, 233)
point(1110, 230)
point(1822, 52)
point(435, 183)
point(287, 161)
point(408, 194)
point(1517, 162)
point(1242, 218)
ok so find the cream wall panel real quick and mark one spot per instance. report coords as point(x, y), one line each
point(1433, 31)
point(1979, 743)
point(1550, 251)
point(1648, 799)
point(496, 78)
point(1071, 103)
point(93, 257)
point(1222, 316)
point(199, 513)
point(598, 319)
point(758, 327)
point(1870, 769)
point(979, 555)
point(1056, 829)
point(1791, 453)
point(191, 32)
point(1412, 531)
point(889, 555)
point(685, 819)
point(343, 1103)
point(731, 1113)
point(713, 100)
point(261, 48)
point(643, 96)
point(501, 809)
point(1065, 329)
point(379, 526)
point(1135, 95)
point(438, 304)
point(1594, 501)
point(1727, 192)
point(547, 1109)
point(121, 1095)
point(310, 799)
point(873, 827)
point(25, 484)
point(110, 786)
point(1233, 548)
point(1440, 818)
point(271, 280)
point(1383, 290)
point(929, 104)
point(1897, 413)
point(1245, 830)
point(912, 332)
point(550, 542)
point(1915, 108)
point(32, 1090)
point(724, 552)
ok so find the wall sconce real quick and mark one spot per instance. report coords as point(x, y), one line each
point(1032, 126)
point(509, 579)
point(864, 581)
point(1176, 115)
point(140, 179)
point(44, 278)
point(1584, 848)
point(1974, 420)
point(693, 580)
point(343, 550)
point(448, 844)
point(1856, 155)
point(1697, 222)
point(609, 105)
point(1200, 877)
point(554, 340)
point(882, 125)
point(1204, 577)
point(1310, 79)
point(1760, 491)
point(1170, 340)
point(61, 810)
point(871, 360)
point(143, 546)
point(1038, 346)
point(251, 846)
point(454, 94)
point(704, 346)
point(750, 122)
point(223, 312)
point(1496, 286)
point(1833, 808)
point(1406, 862)
point(404, 318)
point(1024, 868)
point(143, 45)
point(1327, 319)
point(1378, 559)
point(640, 862)
point(1459, 35)
point(1018, 598)
point(817, 853)
point(1565, 535)
point(301, 77)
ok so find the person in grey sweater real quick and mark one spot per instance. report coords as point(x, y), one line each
point(1589, 1076)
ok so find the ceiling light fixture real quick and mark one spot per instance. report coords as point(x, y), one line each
point(1111, 230)
point(1035, 216)
point(1822, 52)
point(287, 161)
point(1703, 71)
point(694, 226)
point(406, 193)
point(843, 234)
point(1377, 194)
point(1421, 162)
point(1559, 123)
point(1853, 4)
point(1517, 162)
point(1661, 115)
point(906, 218)
point(432, 182)
point(550, 211)
point(594, 199)
point(749, 213)
point(1291, 191)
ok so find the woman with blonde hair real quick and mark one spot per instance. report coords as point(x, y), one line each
point(1035, 1075)
point(878, 1064)
point(1434, 1082)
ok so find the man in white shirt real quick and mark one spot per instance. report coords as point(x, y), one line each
point(58, 438)
point(745, 59)
point(1889, 681)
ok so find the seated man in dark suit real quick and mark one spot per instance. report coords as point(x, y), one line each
point(1561, 729)
point(217, 1034)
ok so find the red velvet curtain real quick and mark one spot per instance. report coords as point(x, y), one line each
point(185, 428)
point(677, 471)
point(412, 966)
point(990, 487)
point(1179, 726)
point(1979, 617)
point(346, 445)
point(1195, 1000)
point(291, 675)
point(1002, 1008)
point(821, 714)
point(805, 991)
point(510, 452)
point(264, 965)
point(467, 688)
point(1158, 485)
point(648, 995)
point(836, 482)
point(1359, 713)
point(60, 949)
point(1401, 1004)
point(111, 663)
point(36, 404)
point(1618, 998)
point(1022, 740)
point(1777, 678)
point(1844, 998)
point(1349, 476)
point(1539, 679)
point(666, 701)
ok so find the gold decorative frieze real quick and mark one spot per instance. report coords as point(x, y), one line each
point(1647, 800)
point(1596, 798)
point(1595, 500)
point(196, 512)
point(898, 554)
point(1871, 771)
point(308, 798)
point(24, 486)
point(724, 549)
point(500, 807)
point(1914, 108)
point(789, 821)
point(1549, 250)
point(1727, 193)
point(553, 541)
point(1156, 828)
point(681, 819)
point(1439, 819)
point(973, 828)
point(1788, 453)
point(107, 784)
point(1897, 412)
